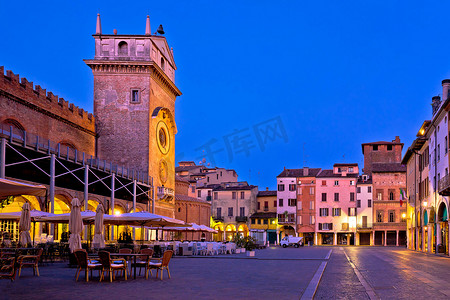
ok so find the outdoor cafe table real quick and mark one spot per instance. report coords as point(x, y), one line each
point(17, 251)
point(132, 255)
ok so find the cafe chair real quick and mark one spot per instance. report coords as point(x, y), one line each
point(146, 263)
point(30, 261)
point(110, 266)
point(8, 268)
point(163, 263)
point(84, 262)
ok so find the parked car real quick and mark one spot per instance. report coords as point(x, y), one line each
point(291, 241)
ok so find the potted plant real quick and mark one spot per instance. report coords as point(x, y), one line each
point(250, 246)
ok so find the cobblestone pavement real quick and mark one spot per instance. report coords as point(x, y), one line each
point(275, 273)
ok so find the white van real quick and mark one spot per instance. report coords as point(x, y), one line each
point(291, 241)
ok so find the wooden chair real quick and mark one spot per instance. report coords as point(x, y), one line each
point(110, 266)
point(144, 263)
point(30, 261)
point(163, 263)
point(84, 262)
point(8, 268)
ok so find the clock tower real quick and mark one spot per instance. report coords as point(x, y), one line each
point(134, 106)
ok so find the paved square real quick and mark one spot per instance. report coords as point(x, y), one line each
point(275, 273)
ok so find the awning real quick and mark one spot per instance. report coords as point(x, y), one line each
point(15, 188)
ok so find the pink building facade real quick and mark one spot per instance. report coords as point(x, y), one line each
point(336, 205)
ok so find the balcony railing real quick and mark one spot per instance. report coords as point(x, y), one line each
point(218, 218)
point(165, 193)
point(444, 186)
point(364, 226)
point(266, 209)
point(208, 198)
point(241, 219)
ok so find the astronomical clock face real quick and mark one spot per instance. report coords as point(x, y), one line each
point(163, 171)
point(163, 137)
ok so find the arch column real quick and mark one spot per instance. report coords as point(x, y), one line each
point(438, 235)
point(430, 234)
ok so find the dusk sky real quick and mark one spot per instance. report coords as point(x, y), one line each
point(326, 76)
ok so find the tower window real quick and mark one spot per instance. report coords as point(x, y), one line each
point(135, 96)
point(123, 48)
point(163, 64)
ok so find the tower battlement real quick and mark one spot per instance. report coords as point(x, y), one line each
point(25, 92)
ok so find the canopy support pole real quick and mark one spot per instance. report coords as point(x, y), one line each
point(113, 179)
point(52, 190)
point(2, 157)
point(86, 196)
point(134, 206)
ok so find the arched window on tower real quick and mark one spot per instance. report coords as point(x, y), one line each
point(163, 64)
point(123, 49)
point(17, 129)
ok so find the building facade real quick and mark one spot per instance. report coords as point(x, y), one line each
point(231, 206)
point(336, 205)
point(191, 210)
point(287, 202)
point(306, 198)
point(389, 191)
point(263, 223)
point(364, 211)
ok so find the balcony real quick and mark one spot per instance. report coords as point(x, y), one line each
point(208, 198)
point(266, 209)
point(165, 193)
point(241, 219)
point(217, 218)
point(444, 186)
point(366, 226)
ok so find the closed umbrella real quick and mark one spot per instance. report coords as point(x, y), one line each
point(75, 225)
point(99, 239)
point(25, 225)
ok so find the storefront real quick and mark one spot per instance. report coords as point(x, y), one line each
point(327, 238)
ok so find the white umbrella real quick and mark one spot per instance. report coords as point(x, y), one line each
point(208, 229)
point(75, 225)
point(15, 188)
point(25, 225)
point(98, 235)
point(86, 216)
point(143, 219)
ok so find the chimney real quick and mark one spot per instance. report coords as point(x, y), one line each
point(98, 29)
point(445, 88)
point(147, 26)
point(305, 171)
point(267, 188)
point(436, 102)
point(115, 31)
point(396, 140)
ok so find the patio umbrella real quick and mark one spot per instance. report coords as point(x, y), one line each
point(75, 225)
point(15, 188)
point(88, 217)
point(25, 225)
point(98, 231)
point(143, 219)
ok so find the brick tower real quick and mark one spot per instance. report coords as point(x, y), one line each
point(134, 106)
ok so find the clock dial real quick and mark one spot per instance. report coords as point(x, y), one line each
point(163, 137)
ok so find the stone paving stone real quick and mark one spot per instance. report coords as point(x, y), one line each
point(192, 278)
point(339, 281)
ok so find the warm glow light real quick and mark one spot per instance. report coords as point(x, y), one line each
point(425, 203)
point(273, 222)
point(422, 131)
point(117, 213)
point(352, 222)
point(403, 215)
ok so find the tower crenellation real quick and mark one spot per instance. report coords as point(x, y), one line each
point(38, 97)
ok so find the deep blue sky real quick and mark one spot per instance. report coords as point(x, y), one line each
point(336, 73)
